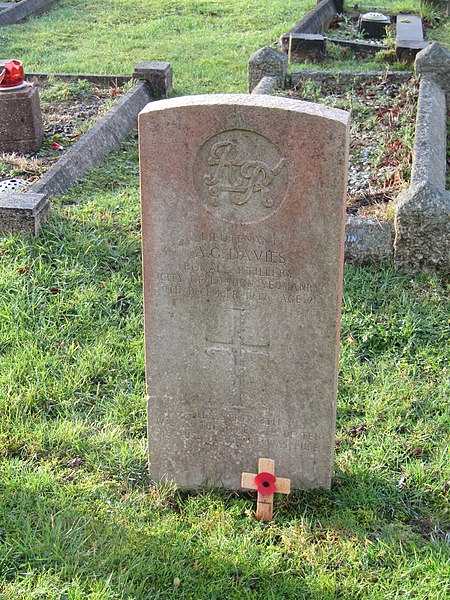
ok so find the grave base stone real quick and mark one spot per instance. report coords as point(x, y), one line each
point(422, 228)
point(21, 128)
point(243, 218)
point(158, 75)
point(23, 213)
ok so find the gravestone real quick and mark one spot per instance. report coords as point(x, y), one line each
point(243, 215)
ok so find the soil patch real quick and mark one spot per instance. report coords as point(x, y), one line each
point(382, 137)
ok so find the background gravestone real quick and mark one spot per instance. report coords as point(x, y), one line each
point(243, 214)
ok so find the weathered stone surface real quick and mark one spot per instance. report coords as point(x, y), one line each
point(21, 128)
point(267, 85)
point(430, 145)
point(158, 75)
point(18, 11)
point(434, 62)
point(23, 213)
point(243, 217)
point(409, 37)
point(368, 240)
point(422, 229)
point(267, 62)
point(93, 147)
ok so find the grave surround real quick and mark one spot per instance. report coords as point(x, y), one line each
point(242, 285)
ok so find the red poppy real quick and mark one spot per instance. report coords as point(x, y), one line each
point(265, 483)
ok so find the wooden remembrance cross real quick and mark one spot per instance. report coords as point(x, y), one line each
point(267, 485)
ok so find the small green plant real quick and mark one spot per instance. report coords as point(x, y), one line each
point(431, 14)
point(65, 92)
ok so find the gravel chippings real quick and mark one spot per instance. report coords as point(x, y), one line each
point(381, 140)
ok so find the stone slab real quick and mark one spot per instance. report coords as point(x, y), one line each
point(267, 85)
point(243, 219)
point(23, 213)
point(409, 27)
point(368, 241)
point(21, 126)
point(21, 10)
point(316, 20)
point(409, 37)
point(430, 145)
point(305, 45)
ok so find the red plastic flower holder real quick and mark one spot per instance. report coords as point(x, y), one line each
point(11, 74)
point(265, 483)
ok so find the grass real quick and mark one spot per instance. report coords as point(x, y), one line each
point(79, 517)
point(208, 43)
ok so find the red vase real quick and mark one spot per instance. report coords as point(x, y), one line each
point(11, 74)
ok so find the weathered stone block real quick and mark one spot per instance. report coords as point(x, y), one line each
point(434, 62)
point(368, 240)
point(23, 213)
point(21, 128)
point(422, 229)
point(267, 62)
point(158, 75)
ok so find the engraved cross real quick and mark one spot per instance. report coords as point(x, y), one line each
point(237, 346)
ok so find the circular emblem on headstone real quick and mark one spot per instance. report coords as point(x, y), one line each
point(241, 176)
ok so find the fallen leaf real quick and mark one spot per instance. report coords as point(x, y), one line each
point(25, 269)
point(55, 290)
point(75, 462)
point(176, 582)
point(358, 431)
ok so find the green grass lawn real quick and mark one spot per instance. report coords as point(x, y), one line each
point(79, 517)
point(208, 42)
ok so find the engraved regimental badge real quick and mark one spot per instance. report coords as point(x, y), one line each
point(241, 176)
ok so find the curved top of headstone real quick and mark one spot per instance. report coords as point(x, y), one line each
point(267, 54)
point(263, 101)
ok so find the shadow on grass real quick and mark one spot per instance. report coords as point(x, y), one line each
point(157, 542)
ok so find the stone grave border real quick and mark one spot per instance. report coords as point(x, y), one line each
point(307, 37)
point(26, 212)
point(21, 10)
point(419, 238)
